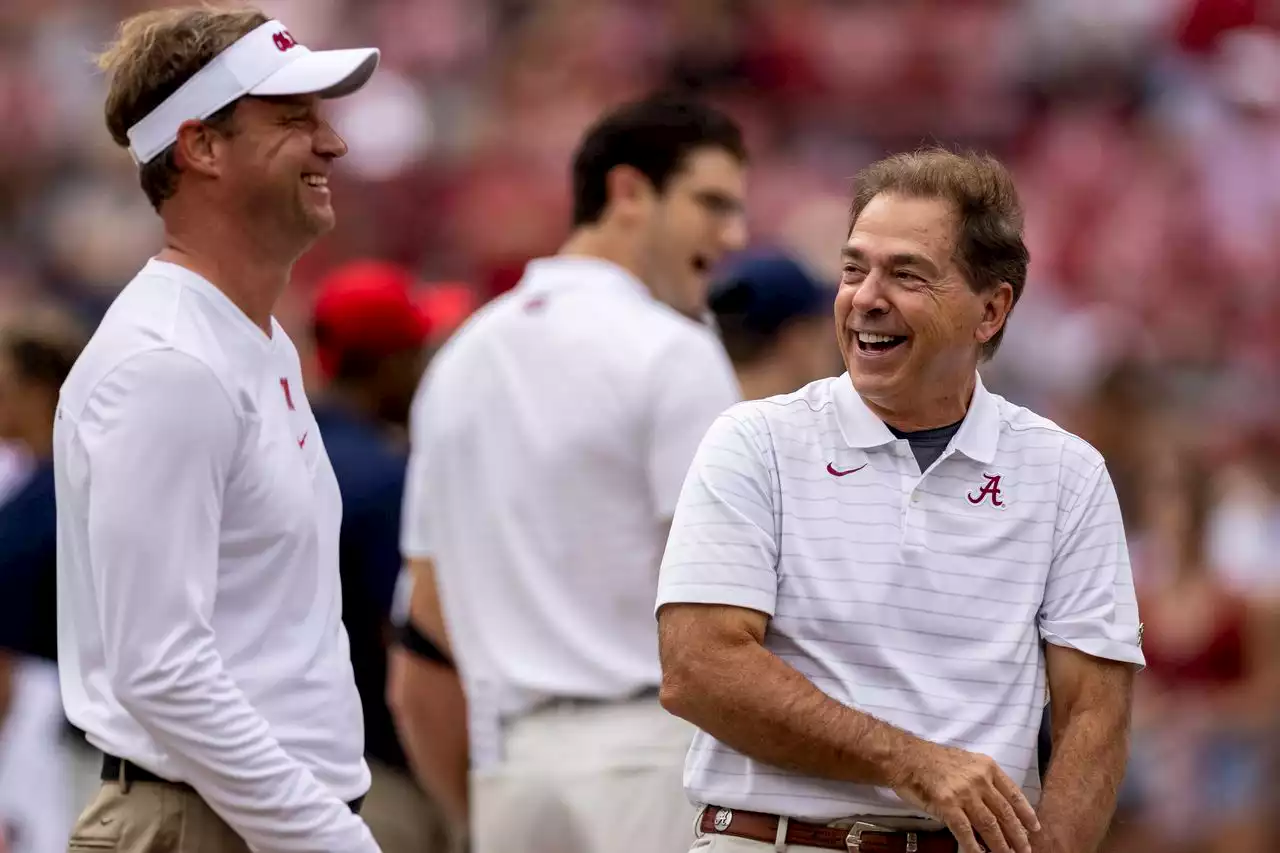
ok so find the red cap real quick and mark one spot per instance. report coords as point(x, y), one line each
point(367, 307)
point(447, 304)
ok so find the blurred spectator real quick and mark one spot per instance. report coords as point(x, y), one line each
point(371, 338)
point(36, 353)
point(775, 321)
point(1206, 704)
point(36, 811)
point(14, 467)
point(1244, 534)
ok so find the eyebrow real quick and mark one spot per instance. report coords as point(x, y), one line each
point(898, 259)
point(721, 201)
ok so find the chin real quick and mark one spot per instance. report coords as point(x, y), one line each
point(871, 383)
point(319, 222)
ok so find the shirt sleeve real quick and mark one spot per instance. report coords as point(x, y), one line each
point(1089, 602)
point(692, 385)
point(723, 547)
point(159, 438)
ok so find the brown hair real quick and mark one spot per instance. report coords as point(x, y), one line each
point(989, 243)
point(42, 344)
point(153, 55)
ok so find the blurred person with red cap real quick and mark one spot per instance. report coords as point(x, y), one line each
point(200, 637)
point(550, 438)
point(372, 334)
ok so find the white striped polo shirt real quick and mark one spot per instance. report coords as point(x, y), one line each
point(920, 600)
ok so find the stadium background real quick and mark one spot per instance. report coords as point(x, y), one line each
point(1145, 136)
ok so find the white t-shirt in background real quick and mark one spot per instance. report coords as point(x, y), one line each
point(550, 440)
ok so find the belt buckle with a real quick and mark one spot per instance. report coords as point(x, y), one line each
point(854, 840)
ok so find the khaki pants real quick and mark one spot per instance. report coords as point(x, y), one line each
point(152, 818)
point(587, 779)
point(401, 817)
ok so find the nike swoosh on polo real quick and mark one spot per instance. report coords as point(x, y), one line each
point(302, 442)
point(831, 469)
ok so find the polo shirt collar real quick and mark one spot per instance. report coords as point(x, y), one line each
point(976, 437)
point(560, 271)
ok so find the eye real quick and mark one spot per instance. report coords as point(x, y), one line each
point(904, 275)
point(852, 271)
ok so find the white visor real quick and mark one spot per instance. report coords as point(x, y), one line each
point(264, 62)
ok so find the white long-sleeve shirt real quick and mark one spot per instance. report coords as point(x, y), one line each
point(199, 606)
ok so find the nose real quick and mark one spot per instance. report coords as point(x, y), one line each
point(327, 142)
point(734, 235)
point(870, 295)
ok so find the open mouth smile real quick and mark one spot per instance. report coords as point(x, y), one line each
point(876, 344)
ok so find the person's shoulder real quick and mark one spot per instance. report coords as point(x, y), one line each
point(1023, 432)
point(149, 324)
point(358, 448)
point(187, 386)
point(469, 340)
point(802, 411)
point(800, 408)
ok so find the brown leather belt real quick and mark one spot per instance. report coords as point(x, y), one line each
point(862, 837)
point(115, 769)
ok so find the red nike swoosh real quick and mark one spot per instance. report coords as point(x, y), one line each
point(834, 473)
point(302, 442)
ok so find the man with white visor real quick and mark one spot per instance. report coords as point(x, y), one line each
point(200, 640)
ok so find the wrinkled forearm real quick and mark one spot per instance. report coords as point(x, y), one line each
point(1089, 756)
point(746, 697)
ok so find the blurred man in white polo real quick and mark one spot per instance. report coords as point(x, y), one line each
point(200, 641)
point(550, 438)
point(870, 581)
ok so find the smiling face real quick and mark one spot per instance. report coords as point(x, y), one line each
point(909, 324)
point(277, 166)
point(696, 221)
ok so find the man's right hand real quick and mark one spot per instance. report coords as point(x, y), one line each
point(971, 795)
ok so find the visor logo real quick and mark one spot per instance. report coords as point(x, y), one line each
point(284, 41)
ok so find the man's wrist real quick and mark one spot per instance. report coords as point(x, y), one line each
point(1042, 842)
point(898, 756)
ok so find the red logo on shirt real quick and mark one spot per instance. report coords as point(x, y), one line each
point(831, 469)
point(284, 41)
point(302, 442)
point(288, 397)
point(990, 490)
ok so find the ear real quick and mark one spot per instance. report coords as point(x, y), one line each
point(628, 192)
point(198, 149)
point(995, 310)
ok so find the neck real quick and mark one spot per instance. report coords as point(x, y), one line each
point(37, 438)
point(766, 378)
point(926, 412)
point(353, 398)
point(600, 241)
point(230, 256)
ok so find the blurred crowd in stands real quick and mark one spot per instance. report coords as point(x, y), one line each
point(1145, 135)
